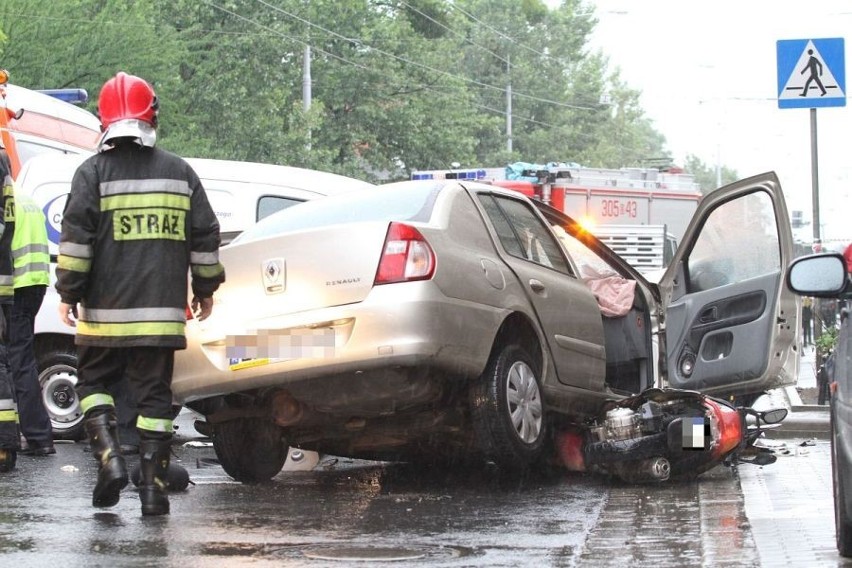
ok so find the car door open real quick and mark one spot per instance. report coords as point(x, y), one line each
point(730, 322)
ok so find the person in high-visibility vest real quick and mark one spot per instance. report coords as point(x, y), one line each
point(10, 438)
point(31, 260)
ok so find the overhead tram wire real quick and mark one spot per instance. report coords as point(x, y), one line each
point(303, 43)
point(499, 33)
point(452, 31)
point(362, 66)
point(421, 65)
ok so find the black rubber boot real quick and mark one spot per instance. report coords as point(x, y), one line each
point(154, 465)
point(8, 458)
point(112, 471)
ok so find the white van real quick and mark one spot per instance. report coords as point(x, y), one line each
point(241, 193)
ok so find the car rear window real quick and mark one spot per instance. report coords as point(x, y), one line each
point(403, 201)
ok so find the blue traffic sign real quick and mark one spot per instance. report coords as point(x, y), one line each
point(811, 73)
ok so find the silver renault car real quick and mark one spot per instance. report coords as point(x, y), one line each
point(435, 319)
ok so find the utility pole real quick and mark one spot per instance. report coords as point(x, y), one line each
point(306, 86)
point(509, 104)
point(306, 79)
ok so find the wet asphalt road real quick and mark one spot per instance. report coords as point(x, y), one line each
point(346, 513)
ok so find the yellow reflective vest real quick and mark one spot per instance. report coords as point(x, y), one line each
point(30, 253)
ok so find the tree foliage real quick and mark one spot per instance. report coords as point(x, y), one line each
point(706, 176)
point(395, 84)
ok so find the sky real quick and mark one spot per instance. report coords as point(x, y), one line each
point(708, 74)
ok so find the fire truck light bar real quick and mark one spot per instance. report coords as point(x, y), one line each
point(454, 174)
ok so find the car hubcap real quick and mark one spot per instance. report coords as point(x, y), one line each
point(524, 402)
point(59, 397)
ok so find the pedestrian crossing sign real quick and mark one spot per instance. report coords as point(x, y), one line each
point(811, 73)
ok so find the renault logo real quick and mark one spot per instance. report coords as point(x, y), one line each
point(273, 275)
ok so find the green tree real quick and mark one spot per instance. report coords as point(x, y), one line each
point(81, 43)
point(396, 84)
point(706, 175)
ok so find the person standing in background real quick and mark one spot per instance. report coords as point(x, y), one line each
point(31, 261)
point(807, 321)
point(10, 437)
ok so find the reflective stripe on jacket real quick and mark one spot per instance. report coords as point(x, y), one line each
point(7, 231)
point(30, 253)
point(135, 220)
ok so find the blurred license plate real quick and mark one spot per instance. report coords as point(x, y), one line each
point(271, 346)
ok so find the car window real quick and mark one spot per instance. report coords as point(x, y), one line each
point(739, 241)
point(405, 201)
point(587, 261)
point(269, 204)
point(522, 233)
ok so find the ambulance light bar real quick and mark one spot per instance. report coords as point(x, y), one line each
point(73, 96)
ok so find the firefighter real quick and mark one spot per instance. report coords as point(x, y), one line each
point(10, 438)
point(137, 220)
point(31, 261)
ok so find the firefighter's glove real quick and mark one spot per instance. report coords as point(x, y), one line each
point(202, 307)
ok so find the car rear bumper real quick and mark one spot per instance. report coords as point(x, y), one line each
point(383, 342)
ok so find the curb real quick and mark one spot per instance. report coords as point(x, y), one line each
point(804, 421)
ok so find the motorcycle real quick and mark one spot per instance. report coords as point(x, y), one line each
point(664, 434)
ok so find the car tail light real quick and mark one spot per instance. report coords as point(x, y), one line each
point(189, 314)
point(729, 424)
point(406, 256)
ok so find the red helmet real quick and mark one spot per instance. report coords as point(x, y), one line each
point(127, 97)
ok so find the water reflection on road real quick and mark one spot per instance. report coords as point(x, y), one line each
point(345, 512)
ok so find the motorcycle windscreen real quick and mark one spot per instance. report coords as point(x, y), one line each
point(730, 322)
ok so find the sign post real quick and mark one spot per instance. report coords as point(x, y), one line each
point(812, 74)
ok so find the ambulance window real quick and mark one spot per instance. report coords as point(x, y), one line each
point(269, 204)
point(27, 150)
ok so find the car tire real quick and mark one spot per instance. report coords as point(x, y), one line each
point(251, 450)
point(57, 377)
point(843, 524)
point(507, 409)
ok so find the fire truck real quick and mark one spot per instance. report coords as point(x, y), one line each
point(641, 213)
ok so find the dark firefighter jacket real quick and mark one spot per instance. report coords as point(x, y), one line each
point(7, 231)
point(136, 220)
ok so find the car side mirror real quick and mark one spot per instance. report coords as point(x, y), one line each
point(773, 416)
point(818, 275)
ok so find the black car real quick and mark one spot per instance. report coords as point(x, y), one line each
point(825, 276)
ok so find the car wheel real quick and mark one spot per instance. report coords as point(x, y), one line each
point(57, 378)
point(842, 522)
point(507, 409)
point(251, 450)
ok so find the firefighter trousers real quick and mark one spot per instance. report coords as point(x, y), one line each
point(10, 438)
point(148, 374)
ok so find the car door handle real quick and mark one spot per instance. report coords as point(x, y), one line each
point(709, 315)
point(536, 285)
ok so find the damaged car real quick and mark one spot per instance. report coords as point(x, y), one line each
point(441, 319)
